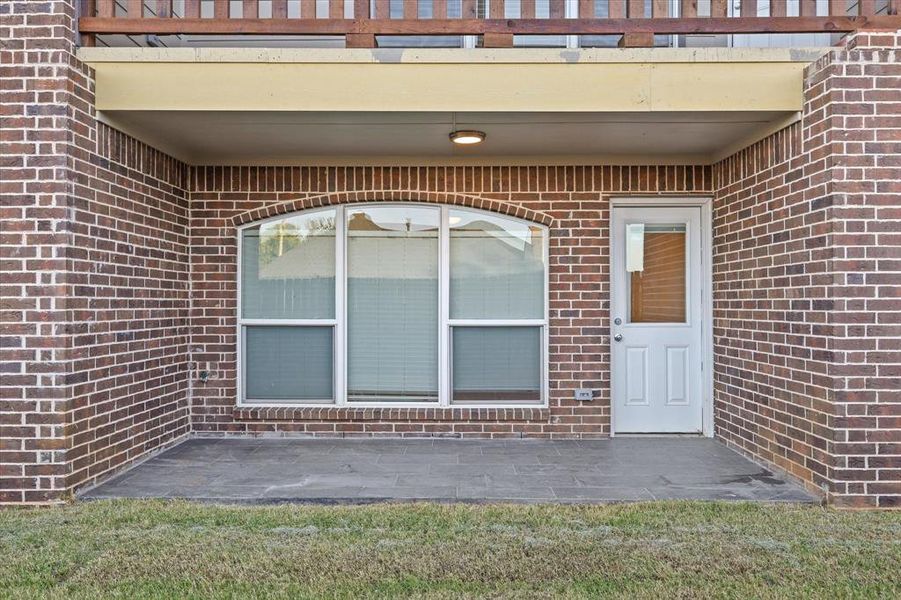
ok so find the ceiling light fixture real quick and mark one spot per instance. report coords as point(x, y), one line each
point(467, 137)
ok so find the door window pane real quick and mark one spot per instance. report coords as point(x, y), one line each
point(392, 304)
point(496, 267)
point(288, 363)
point(657, 277)
point(288, 268)
point(496, 364)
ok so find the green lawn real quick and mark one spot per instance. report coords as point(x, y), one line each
point(177, 549)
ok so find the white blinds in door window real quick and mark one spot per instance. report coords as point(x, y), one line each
point(392, 304)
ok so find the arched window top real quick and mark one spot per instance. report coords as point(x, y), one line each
point(415, 304)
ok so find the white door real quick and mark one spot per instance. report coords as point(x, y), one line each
point(656, 330)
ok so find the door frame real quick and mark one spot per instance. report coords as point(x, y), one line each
point(705, 203)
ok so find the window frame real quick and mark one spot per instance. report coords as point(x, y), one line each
point(339, 322)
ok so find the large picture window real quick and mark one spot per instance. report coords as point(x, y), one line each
point(393, 304)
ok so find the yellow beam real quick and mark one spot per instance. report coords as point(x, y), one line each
point(369, 80)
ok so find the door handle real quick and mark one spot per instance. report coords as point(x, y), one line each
point(618, 337)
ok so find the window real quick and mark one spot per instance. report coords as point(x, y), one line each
point(393, 304)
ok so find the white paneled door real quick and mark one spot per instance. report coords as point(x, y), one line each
point(656, 319)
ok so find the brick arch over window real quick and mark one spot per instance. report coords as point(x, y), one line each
point(335, 198)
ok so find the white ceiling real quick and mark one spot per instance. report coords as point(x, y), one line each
point(381, 137)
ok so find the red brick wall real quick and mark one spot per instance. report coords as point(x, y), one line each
point(95, 273)
point(574, 201)
point(807, 283)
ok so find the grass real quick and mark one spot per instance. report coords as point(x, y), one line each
point(155, 549)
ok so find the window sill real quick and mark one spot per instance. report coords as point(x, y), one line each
point(332, 413)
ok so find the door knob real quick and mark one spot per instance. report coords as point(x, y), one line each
point(618, 337)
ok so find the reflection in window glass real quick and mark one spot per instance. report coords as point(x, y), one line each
point(496, 267)
point(657, 291)
point(496, 364)
point(288, 268)
point(392, 304)
point(289, 363)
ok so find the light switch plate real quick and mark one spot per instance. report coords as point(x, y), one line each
point(584, 394)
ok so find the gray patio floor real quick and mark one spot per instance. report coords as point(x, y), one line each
point(360, 470)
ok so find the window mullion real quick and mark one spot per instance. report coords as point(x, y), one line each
point(340, 308)
point(444, 309)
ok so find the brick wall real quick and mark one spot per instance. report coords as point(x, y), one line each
point(807, 283)
point(94, 259)
point(574, 201)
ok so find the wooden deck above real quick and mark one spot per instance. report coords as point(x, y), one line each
point(494, 22)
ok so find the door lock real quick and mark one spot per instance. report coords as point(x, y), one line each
point(618, 337)
point(617, 321)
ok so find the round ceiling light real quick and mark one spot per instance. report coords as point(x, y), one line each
point(467, 137)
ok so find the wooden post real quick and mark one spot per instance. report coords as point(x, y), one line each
point(808, 8)
point(307, 9)
point(105, 8)
point(867, 8)
point(838, 8)
point(90, 10)
point(336, 9)
point(382, 9)
point(497, 40)
point(470, 9)
point(496, 9)
point(689, 9)
point(361, 10)
point(639, 39)
point(778, 9)
point(359, 40)
point(250, 9)
point(718, 8)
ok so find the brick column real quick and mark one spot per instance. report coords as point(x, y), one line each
point(38, 41)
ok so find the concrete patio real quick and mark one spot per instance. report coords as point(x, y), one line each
point(365, 470)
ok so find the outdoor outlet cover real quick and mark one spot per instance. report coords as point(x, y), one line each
point(584, 394)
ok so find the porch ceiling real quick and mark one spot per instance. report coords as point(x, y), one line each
point(240, 106)
point(240, 138)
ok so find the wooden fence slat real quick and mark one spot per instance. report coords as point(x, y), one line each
point(439, 9)
point(411, 9)
point(496, 9)
point(221, 9)
point(689, 8)
point(527, 9)
point(617, 9)
point(497, 40)
point(135, 9)
point(192, 9)
point(557, 9)
point(382, 9)
point(250, 9)
point(307, 9)
point(336, 9)
point(636, 9)
point(808, 8)
point(867, 8)
point(279, 9)
point(749, 8)
point(778, 9)
point(660, 9)
point(586, 9)
point(717, 8)
point(361, 9)
point(105, 8)
point(470, 9)
point(838, 8)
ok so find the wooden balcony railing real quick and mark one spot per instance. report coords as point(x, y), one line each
point(496, 21)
